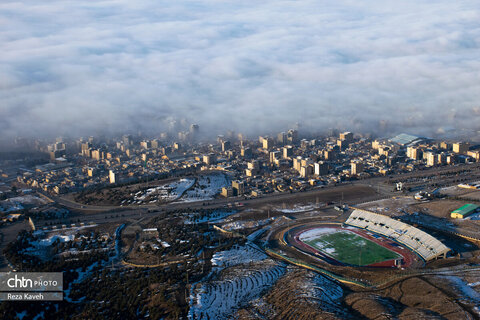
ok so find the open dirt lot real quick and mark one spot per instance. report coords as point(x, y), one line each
point(344, 194)
point(391, 206)
point(474, 195)
point(438, 208)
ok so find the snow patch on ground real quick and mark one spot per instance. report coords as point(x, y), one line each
point(238, 255)
point(474, 216)
point(315, 233)
point(18, 203)
point(464, 288)
point(8, 206)
point(118, 242)
point(40, 248)
point(256, 234)
point(52, 239)
point(164, 244)
point(237, 225)
point(215, 216)
point(168, 192)
point(220, 298)
point(206, 188)
point(82, 275)
point(28, 199)
point(325, 292)
point(297, 208)
point(329, 250)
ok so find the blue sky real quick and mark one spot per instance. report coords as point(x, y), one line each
point(84, 66)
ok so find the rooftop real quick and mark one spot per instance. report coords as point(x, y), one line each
point(466, 209)
point(404, 139)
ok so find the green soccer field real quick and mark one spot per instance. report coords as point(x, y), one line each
point(350, 248)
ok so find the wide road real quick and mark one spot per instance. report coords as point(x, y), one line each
point(349, 192)
point(178, 204)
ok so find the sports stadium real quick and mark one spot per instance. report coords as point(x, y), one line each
point(365, 239)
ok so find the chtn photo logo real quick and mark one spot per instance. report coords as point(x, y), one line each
point(31, 286)
point(31, 281)
point(16, 282)
point(28, 283)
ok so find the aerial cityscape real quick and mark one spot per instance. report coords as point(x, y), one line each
point(248, 160)
point(173, 227)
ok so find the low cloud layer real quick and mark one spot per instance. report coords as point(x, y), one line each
point(83, 67)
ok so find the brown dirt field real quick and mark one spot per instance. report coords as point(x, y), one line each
point(475, 195)
point(349, 193)
point(410, 299)
point(420, 294)
point(451, 290)
point(372, 306)
point(438, 208)
point(392, 206)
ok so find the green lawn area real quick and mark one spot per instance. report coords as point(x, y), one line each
point(350, 248)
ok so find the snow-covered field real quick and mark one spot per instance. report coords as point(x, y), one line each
point(51, 239)
point(237, 225)
point(238, 255)
point(206, 188)
point(41, 247)
point(220, 298)
point(59, 237)
point(18, 203)
point(183, 190)
point(28, 199)
point(242, 274)
point(298, 208)
point(168, 192)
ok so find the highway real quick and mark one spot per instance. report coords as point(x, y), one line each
point(111, 214)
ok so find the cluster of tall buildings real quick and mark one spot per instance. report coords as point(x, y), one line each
point(281, 162)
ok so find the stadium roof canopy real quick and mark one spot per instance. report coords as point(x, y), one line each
point(404, 139)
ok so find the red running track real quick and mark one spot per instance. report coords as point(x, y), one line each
point(408, 256)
